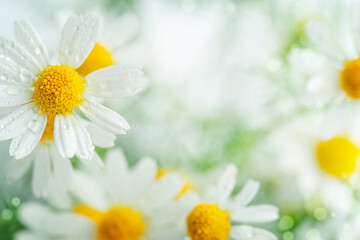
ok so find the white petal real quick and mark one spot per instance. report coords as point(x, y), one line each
point(105, 118)
point(247, 193)
point(143, 175)
point(116, 173)
point(224, 187)
point(69, 224)
point(115, 81)
point(32, 215)
point(42, 172)
point(89, 191)
point(27, 235)
point(258, 213)
point(13, 74)
point(63, 171)
point(25, 143)
point(16, 122)
point(85, 148)
point(251, 233)
point(167, 187)
point(325, 39)
point(334, 119)
point(64, 135)
point(78, 38)
point(27, 36)
point(14, 95)
point(99, 136)
point(20, 56)
point(18, 167)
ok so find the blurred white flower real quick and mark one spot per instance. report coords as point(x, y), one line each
point(218, 216)
point(322, 169)
point(111, 203)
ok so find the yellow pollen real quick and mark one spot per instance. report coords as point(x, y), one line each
point(350, 79)
point(119, 223)
point(187, 186)
point(99, 57)
point(59, 89)
point(338, 156)
point(207, 221)
point(48, 134)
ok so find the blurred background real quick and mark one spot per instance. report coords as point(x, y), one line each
point(220, 89)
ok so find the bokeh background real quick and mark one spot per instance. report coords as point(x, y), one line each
point(221, 89)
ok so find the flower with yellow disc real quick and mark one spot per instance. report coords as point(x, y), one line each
point(47, 96)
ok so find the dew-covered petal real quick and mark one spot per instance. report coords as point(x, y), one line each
point(257, 213)
point(15, 75)
point(14, 95)
point(25, 143)
point(105, 118)
point(115, 81)
point(78, 38)
point(16, 122)
point(63, 171)
point(27, 36)
point(18, 167)
point(42, 172)
point(247, 193)
point(85, 148)
point(99, 136)
point(244, 232)
point(20, 56)
point(64, 135)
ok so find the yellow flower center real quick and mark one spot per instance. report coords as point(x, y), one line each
point(99, 57)
point(350, 79)
point(119, 223)
point(59, 89)
point(187, 186)
point(48, 134)
point(207, 221)
point(337, 156)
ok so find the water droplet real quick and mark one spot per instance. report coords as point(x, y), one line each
point(2, 126)
point(37, 51)
point(65, 126)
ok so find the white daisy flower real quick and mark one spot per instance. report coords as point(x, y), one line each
point(330, 76)
point(48, 95)
point(218, 216)
point(323, 171)
point(113, 203)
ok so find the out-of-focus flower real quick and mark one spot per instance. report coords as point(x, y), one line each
point(323, 169)
point(330, 76)
point(113, 203)
point(47, 96)
point(218, 216)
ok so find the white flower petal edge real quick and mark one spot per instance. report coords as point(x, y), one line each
point(115, 81)
point(16, 122)
point(27, 36)
point(11, 96)
point(247, 193)
point(105, 117)
point(62, 169)
point(99, 136)
point(25, 143)
point(224, 187)
point(41, 171)
point(18, 167)
point(20, 56)
point(325, 39)
point(244, 232)
point(78, 38)
point(257, 213)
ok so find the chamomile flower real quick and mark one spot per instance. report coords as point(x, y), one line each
point(329, 76)
point(323, 170)
point(47, 95)
point(218, 216)
point(113, 203)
